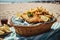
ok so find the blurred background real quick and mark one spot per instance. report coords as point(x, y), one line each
point(12, 1)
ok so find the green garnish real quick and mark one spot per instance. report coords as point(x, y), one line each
point(30, 14)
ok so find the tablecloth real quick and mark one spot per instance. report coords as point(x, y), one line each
point(53, 34)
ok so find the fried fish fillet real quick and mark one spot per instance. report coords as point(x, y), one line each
point(33, 19)
point(37, 15)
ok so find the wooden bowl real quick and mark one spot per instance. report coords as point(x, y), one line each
point(33, 29)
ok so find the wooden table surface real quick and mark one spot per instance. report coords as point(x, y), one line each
point(7, 10)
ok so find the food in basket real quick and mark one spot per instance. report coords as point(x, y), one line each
point(33, 16)
point(36, 15)
point(32, 22)
point(4, 29)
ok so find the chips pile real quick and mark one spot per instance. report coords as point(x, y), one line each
point(36, 15)
point(4, 29)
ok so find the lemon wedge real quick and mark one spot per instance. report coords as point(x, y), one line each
point(45, 18)
point(18, 14)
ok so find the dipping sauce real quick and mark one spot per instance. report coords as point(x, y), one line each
point(4, 21)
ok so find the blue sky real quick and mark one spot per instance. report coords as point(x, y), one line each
point(24, 0)
point(16, 0)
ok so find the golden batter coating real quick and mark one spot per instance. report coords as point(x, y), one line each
point(38, 14)
point(33, 19)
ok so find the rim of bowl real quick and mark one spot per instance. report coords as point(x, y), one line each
point(52, 21)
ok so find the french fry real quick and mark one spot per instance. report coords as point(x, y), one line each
point(1, 32)
point(6, 28)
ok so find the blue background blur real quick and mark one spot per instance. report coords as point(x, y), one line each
point(25, 0)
